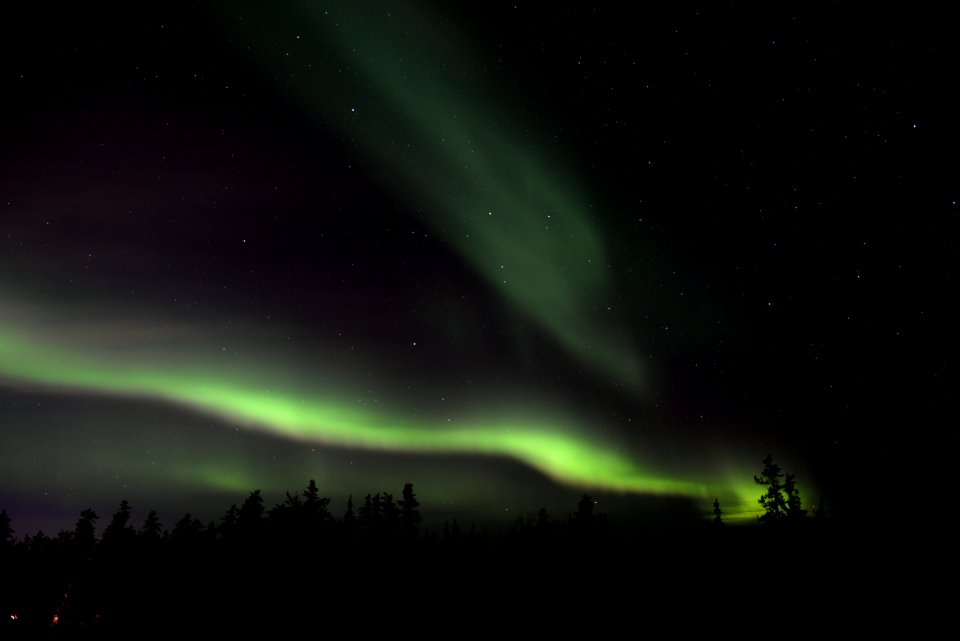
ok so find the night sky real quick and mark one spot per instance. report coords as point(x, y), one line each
point(507, 252)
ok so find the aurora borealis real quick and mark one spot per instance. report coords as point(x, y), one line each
point(549, 449)
point(508, 254)
point(513, 212)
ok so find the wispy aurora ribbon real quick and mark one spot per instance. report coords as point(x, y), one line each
point(403, 88)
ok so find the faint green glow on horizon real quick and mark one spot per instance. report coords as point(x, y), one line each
point(564, 454)
point(220, 477)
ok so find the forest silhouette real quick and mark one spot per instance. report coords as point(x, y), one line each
point(374, 561)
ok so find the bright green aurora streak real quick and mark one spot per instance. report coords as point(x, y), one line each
point(561, 453)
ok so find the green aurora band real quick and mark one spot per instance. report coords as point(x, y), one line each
point(559, 453)
point(402, 88)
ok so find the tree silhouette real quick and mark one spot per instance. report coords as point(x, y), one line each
point(369, 514)
point(379, 516)
point(6, 531)
point(315, 508)
point(409, 514)
point(287, 516)
point(119, 530)
point(151, 528)
point(781, 498)
point(228, 523)
point(251, 511)
point(584, 522)
point(311, 494)
point(717, 512)
point(390, 515)
point(349, 519)
point(111, 582)
point(85, 532)
point(543, 519)
point(772, 501)
point(250, 515)
point(794, 507)
point(187, 531)
point(585, 507)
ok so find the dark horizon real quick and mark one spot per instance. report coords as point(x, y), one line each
point(627, 512)
point(252, 566)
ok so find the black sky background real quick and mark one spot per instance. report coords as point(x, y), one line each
point(783, 187)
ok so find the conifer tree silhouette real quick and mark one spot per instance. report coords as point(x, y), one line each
point(349, 519)
point(187, 530)
point(379, 516)
point(369, 513)
point(543, 519)
point(772, 501)
point(316, 508)
point(409, 514)
point(288, 516)
point(6, 530)
point(583, 522)
point(228, 522)
point(585, 507)
point(119, 528)
point(794, 508)
point(717, 512)
point(251, 511)
point(389, 516)
point(151, 528)
point(85, 532)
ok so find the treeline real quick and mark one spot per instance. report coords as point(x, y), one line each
point(374, 563)
point(252, 557)
point(305, 516)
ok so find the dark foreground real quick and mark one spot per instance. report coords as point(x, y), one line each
point(550, 579)
point(375, 571)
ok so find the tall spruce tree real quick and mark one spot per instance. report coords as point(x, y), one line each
point(84, 534)
point(794, 507)
point(772, 500)
point(409, 514)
